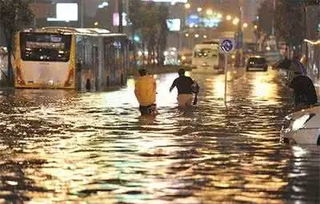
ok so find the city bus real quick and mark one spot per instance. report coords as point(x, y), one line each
point(206, 57)
point(70, 58)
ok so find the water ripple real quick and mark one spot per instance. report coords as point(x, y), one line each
point(62, 146)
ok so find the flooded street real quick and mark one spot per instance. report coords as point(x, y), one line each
point(60, 146)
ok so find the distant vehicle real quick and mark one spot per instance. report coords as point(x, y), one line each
point(185, 58)
point(70, 58)
point(302, 127)
point(171, 56)
point(257, 63)
point(250, 48)
point(206, 57)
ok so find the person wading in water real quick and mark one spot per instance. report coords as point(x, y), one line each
point(145, 91)
point(305, 94)
point(186, 87)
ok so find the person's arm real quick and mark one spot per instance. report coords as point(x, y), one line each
point(196, 86)
point(154, 86)
point(136, 91)
point(173, 85)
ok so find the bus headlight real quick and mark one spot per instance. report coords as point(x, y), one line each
point(50, 82)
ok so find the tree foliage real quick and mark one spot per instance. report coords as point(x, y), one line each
point(265, 22)
point(290, 22)
point(149, 22)
point(266, 17)
point(14, 15)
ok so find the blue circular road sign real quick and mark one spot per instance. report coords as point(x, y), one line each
point(227, 45)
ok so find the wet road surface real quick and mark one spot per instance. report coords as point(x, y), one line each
point(61, 146)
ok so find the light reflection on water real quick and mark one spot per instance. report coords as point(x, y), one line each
point(59, 146)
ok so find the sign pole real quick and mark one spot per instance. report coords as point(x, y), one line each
point(226, 46)
point(225, 78)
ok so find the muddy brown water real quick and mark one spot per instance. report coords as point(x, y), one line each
point(60, 146)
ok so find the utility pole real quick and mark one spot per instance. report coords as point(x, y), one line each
point(273, 19)
point(81, 13)
point(120, 11)
point(239, 40)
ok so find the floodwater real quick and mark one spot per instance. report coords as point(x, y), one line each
point(61, 146)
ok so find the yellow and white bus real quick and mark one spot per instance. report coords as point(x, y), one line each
point(70, 58)
point(206, 57)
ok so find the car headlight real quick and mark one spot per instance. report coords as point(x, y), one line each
point(301, 121)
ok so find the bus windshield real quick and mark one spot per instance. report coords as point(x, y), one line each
point(205, 52)
point(45, 47)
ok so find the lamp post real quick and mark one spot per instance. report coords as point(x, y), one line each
point(120, 11)
point(239, 54)
point(82, 13)
point(185, 28)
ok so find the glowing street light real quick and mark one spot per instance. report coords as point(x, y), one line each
point(209, 12)
point(235, 21)
point(187, 34)
point(245, 25)
point(103, 4)
point(199, 9)
point(205, 36)
point(196, 35)
point(187, 6)
point(228, 17)
point(219, 15)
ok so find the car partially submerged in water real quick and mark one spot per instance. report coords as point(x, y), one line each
point(302, 127)
point(257, 63)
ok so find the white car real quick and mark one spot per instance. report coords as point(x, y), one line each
point(302, 127)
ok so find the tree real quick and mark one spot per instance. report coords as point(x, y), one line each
point(135, 18)
point(163, 32)
point(289, 23)
point(265, 23)
point(14, 15)
point(149, 20)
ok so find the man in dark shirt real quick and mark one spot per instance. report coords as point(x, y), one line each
point(184, 85)
point(304, 91)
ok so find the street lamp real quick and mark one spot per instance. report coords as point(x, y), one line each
point(209, 12)
point(228, 17)
point(239, 38)
point(120, 11)
point(103, 4)
point(245, 25)
point(82, 10)
point(235, 21)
